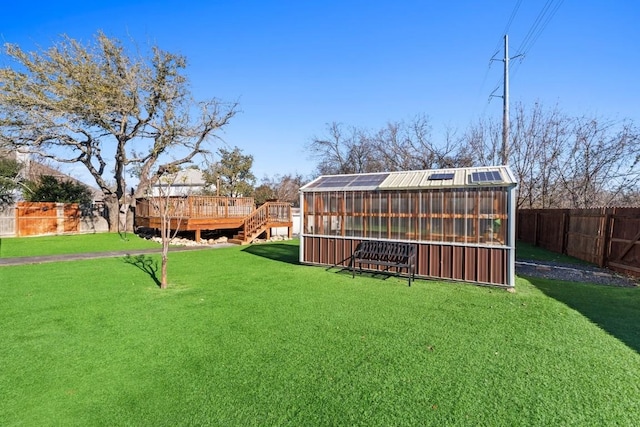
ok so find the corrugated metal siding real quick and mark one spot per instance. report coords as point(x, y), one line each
point(420, 179)
point(450, 262)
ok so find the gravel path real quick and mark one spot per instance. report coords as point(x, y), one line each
point(573, 273)
point(106, 254)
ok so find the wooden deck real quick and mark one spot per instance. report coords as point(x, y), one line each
point(198, 213)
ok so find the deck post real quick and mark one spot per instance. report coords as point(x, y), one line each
point(198, 235)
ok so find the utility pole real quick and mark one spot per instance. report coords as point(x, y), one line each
point(505, 105)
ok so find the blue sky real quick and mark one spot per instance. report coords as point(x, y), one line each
point(295, 66)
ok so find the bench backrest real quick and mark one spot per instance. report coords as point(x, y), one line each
point(385, 251)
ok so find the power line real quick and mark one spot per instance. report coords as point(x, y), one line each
point(507, 27)
point(537, 28)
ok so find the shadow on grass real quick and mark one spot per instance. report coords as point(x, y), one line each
point(275, 251)
point(146, 264)
point(614, 309)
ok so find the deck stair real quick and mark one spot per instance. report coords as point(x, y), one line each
point(261, 220)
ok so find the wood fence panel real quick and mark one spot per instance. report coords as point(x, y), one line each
point(608, 237)
point(41, 218)
point(526, 225)
point(585, 235)
point(71, 218)
point(37, 218)
point(624, 244)
point(8, 221)
point(551, 230)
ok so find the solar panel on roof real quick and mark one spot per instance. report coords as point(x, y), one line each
point(440, 176)
point(486, 176)
point(369, 180)
point(331, 181)
point(348, 181)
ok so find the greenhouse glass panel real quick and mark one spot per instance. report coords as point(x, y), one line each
point(383, 202)
point(337, 202)
point(323, 203)
point(348, 201)
point(358, 202)
point(308, 202)
point(335, 225)
point(373, 227)
point(400, 228)
point(353, 226)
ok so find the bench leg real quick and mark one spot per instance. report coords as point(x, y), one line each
point(352, 267)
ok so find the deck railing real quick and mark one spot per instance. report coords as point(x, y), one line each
point(194, 207)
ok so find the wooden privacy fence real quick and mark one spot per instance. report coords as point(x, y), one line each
point(38, 218)
point(608, 237)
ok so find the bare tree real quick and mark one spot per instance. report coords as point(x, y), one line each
point(172, 210)
point(538, 143)
point(602, 161)
point(559, 161)
point(562, 161)
point(409, 145)
point(112, 112)
point(482, 143)
point(344, 151)
point(402, 145)
point(284, 188)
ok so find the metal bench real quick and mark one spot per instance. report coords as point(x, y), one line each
point(383, 253)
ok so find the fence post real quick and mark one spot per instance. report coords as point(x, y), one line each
point(606, 240)
point(60, 219)
point(566, 216)
point(536, 226)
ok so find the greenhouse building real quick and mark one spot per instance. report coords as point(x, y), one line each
point(461, 221)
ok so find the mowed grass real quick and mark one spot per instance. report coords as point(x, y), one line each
point(529, 252)
point(245, 336)
point(72, 244)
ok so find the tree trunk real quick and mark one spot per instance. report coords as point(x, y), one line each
point(165, 253)
point(163, 274)
point(113, 213)
point(120, 217)
point(131, 216)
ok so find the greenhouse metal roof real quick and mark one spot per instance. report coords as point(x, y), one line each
point(493, 176)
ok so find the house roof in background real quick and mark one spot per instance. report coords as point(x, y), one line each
point(32, 170)
point(187, 177)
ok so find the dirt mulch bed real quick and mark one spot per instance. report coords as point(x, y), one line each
point(574, 273)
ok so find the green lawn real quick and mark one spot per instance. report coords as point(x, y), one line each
point(526, 251)
point(71, 244)
point(245, 336)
